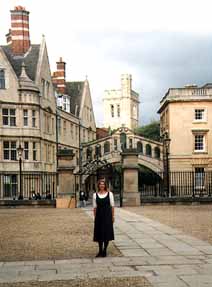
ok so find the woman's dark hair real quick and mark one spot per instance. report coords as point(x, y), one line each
point(102, 180)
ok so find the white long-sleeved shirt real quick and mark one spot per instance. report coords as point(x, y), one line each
point(103, 196)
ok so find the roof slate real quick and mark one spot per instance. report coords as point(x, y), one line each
point(75, 90)
point(30, 59)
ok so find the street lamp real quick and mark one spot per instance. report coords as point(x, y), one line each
point(166, 142)
point(98, 146)
point(20, 153)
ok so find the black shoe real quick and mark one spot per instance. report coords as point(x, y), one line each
point(99, 254)
point(104, 253)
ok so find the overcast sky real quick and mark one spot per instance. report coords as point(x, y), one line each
point(162, 43)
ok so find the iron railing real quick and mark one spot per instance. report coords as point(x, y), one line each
point(181, 184)
point(34, 185)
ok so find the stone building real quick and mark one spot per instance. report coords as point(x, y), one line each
point(121, 107)
point(185, 115)
point(29, 116)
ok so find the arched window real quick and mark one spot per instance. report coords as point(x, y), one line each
point(2, 79)
point(139, 147)
point(106, 147)
point(148, 150)
point(157, 152)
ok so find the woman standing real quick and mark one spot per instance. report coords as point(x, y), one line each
point(103, 208)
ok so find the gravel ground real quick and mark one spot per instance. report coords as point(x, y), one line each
point(109, 282)
point(42, 234)
point(195, 220)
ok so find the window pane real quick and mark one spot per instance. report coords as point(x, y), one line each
point(199, 114)
point(25, 121)
point(12, 112)
point(199, 142)
point(26, 154)
point(33, 122)
point(13, 154)
point(112, 110)
point(5, 111)
point(26, 150)
point(34, 155)
point(199, 176)
point(34, 151)
point(12, 121)
point(13, 145)
point(6, 154)
point(6, 144)
point(5, 121)
point(25, 113)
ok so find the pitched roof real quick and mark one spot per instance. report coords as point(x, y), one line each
point(74, 90)
point(30, 59)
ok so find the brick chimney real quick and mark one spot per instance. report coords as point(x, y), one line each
point(59, 77)
point(20, 38)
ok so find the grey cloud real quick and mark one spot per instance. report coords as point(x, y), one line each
point(160, 60)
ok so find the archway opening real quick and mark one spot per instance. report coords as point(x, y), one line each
point(150, 182)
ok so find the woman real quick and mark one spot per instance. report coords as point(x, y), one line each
point(103, 208)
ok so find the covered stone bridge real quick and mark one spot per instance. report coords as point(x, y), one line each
point(150, 153)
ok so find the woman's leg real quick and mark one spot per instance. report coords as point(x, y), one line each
point(104, 253)
point(100, 249)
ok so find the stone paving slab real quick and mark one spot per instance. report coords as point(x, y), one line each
point(165, 256)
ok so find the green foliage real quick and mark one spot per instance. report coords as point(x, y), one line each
point(150, 131)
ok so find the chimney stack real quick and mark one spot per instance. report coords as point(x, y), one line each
point(20, 38)
point(59, 77)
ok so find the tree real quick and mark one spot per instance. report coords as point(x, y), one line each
point(150, 131)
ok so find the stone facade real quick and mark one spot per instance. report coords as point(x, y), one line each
point(185, 115)
point(29, 115)
point(121, 107)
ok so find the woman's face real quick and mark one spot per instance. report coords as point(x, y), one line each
point(102, 185)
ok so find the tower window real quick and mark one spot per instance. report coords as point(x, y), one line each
point(118, 111)
point(112, 111)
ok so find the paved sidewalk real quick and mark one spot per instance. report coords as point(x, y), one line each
point(165, 256)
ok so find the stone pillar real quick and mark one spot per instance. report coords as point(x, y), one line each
point(131, 195)
point(66, 198)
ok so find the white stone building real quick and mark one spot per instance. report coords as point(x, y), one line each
point(121, 107)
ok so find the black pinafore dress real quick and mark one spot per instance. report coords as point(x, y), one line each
point(103, 224)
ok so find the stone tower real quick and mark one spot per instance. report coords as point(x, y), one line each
point(121, 107)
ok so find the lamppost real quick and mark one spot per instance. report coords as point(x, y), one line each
point(97, 158)
point(80, 175)
point(166, 143)
point(20, 153)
